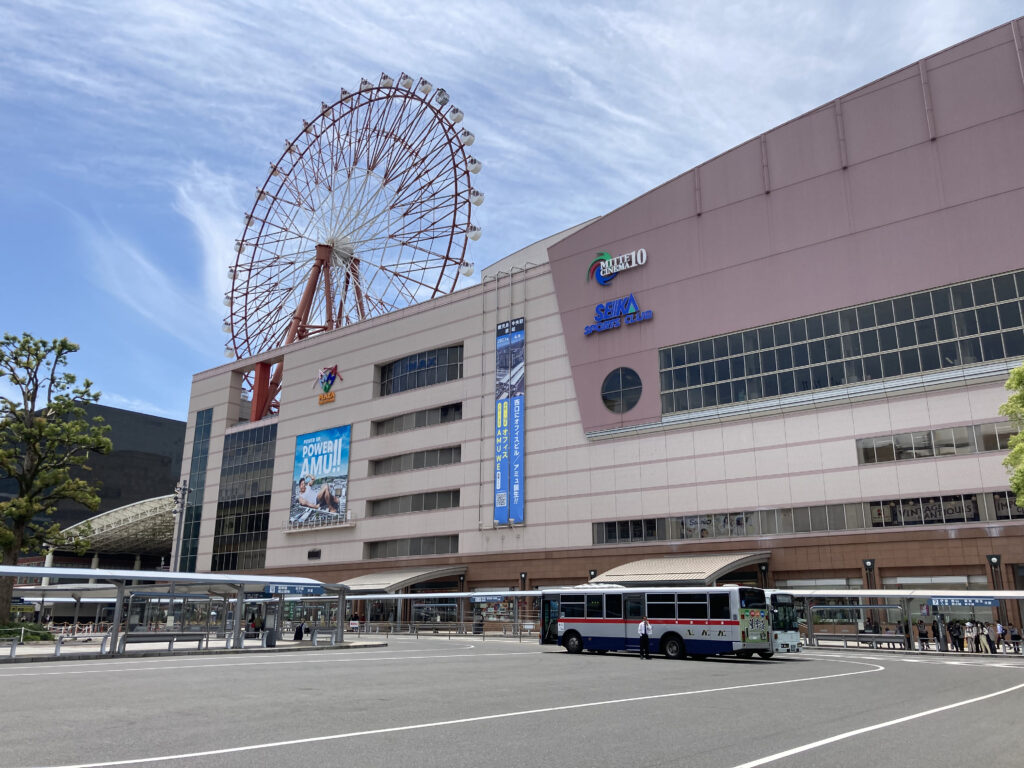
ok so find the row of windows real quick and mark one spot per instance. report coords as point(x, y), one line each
point(932, 330)
point(417, 419)
point(194, 497)
point(895, 513)
point(952, 441)
point(416, 502)
point(421, 545)
point(685, 605)
point(421, 370)
point(433, 457)
point(243, 503)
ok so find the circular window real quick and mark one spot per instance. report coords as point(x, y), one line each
point(621, 390)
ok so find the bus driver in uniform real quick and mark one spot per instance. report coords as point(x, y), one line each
point(644, 630)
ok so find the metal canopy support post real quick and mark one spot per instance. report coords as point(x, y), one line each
point(239, 635)
point(115, 627)
point(810, 621)
point(339, 635)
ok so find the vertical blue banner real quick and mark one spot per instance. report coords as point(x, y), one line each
point(509, 422)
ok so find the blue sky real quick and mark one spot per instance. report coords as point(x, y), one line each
point(135, 134)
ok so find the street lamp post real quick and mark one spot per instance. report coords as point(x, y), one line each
point(994, 562)
point(869, 583)
point(763, 567)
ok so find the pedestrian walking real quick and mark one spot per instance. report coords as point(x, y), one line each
point(644, 630)
point(1014, 634)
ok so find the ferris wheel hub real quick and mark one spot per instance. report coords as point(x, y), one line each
point(342, 250)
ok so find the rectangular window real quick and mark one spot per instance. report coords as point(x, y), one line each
point(661, 606)
point(613, 606)
point(595, 607)
point(572, 606)
point(719, 606)
point(418, 419)
point(412, 372)
point(692, 606)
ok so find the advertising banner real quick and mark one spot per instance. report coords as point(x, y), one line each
point(509, 422)
point(320, 477)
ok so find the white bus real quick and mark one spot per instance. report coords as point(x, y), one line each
point(687, 621)
point(785, 623)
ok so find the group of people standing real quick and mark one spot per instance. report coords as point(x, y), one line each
point(971, 636)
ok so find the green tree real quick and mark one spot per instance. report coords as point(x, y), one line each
point(44, 434)
point(1014, 409)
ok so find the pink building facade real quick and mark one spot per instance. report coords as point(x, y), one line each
point(796, 348)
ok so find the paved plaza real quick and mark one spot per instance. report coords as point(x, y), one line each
point(460, 702)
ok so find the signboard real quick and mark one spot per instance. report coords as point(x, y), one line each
point(324, 381)
point(485, 598)
point(320, 478)
point(292, 589)
point(963, 602)
point(605, 267)
point(617, 313)
point(509, 422)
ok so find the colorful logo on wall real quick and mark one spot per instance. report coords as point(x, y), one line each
point(616, 313)
point(325, 380)
point(605, 267)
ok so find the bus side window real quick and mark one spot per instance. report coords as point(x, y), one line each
point(720, 606)
point(572, 606)
point(613, 606)
point(595, 607)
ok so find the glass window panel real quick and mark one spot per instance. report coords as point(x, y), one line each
point(992, 347)
point(686, 353)
point(753, 363)
point(830, 323)
point(885, 448)
point(983, 291)
point(819, 377)
point(765, 338)
point(945, 327)
point(905, 335)
point(817, 352)
point(721, 372)
point(801, 520)
point(1005, 288)
point(941, 300)
point(930, 358)
point(962, 297)
point(988, 319)
point(750, 341)
point(814, 327)
point(836, 517)
point(1004, 431)
point(739, 391)
point(709, 396)
point(722, 527)
point(854, 371)
point(784, 358)
point(800, 355)
point(869, 342)
point(721, 346)
point(949, 354)
point(953, 509)
point(767, 517)
point(1009, 315)
point(706, 350)
point(854, 516)
point(819, 518)
point(667, 403)
point(922, 303)
point(851, 345)
point(925, 331)
point(784, 519)
point(911, 509)
point(987, 438)
point(944, 442)
point(866, 450)
point(847, 320)
point(735, 367)
point(768, 361)
point(970, 351)
point(797, 330)
point(834, 348)
point(664, 358)
point(890, 364)
point(909, 361)
point(966, 322)
point(883, 312)
point(735, 344)
point(887, 338)
point(836, 374)
point(754, 388)
point(903, 309)
point(694, 398)
point(724, 394)
point(1013, 343)
point(770, 385)
point(872, 368)
point(782, 333)
point(866, 316)
point(802, 379)
point(693, 373)
point(707, 372)
point(787, 384)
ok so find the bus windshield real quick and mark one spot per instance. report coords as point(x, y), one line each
point(752, 598)
point(784, 618)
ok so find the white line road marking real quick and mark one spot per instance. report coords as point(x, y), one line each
point(868, 729)
point(464, 720)
point(333, 659)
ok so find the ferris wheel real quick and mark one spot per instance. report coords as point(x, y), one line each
point(367, 210)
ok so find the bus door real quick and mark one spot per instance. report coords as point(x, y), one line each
point(633, 609)
point(549, 620)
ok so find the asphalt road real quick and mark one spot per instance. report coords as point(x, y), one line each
point(437, 702)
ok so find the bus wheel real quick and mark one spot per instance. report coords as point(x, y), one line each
point(573, 642)
point(672, 646)
point(765, 654)
point(745, 654)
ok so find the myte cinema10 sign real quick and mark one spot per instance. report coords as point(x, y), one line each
point(605, 267)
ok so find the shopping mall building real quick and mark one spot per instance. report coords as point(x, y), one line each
point(787, 361)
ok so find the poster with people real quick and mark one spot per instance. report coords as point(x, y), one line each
point(320, 478)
